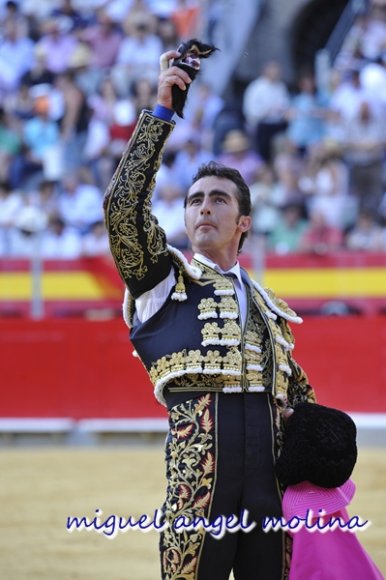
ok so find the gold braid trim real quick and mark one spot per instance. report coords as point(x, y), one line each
point(191, 454)
point(178, 258)
point(135, 237)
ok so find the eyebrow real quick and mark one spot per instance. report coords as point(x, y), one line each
point(212, 193)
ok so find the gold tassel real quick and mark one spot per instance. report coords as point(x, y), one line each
point(180, 290)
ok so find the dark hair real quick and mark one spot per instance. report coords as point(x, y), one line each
point(214, 169)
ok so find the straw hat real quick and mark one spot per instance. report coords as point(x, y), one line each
point(235, 141)
point(80, 57)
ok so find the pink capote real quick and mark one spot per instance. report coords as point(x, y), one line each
point(332, 555)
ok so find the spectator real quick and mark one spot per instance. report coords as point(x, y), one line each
point(96, 242)
point(169, 210)
point(121, 127)
point(265, 105)
point(162, 8)
point(20, 105)
point(286, 236)
point(366, 235)
point(287, 167)
point(382, 209)
point(57, 44)
point(139, 11)
point(373, 79)
point(348, 95)
point(16, 56)
point(202, 112)
point(237, 153)
point(59, 241)
point(320, 238)
point(10, 12)
point(10, 205)
point(186, 17)
point(265, 205)
point(166, 171)
point(10, 145)
point(188, 161)
point(364, 143)
point(37, 12)
point(228, 118)
point(306, 116)
point(38, 73)
point(138, 56)
point(166, 31)
point(79, 203)
point(46, 197)
point(111, 123)
point(371, 34)
point(67, 11)
point(104, 39)
point(41, 137)
point(104, 100)
point(144, 94)
point(74, 121)
point(26, 236)
point(325, 186)
point(84, 40)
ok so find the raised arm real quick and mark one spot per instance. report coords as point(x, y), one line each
point(137, 243)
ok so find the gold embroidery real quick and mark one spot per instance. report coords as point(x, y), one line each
point(281, 304)
point(223, 286)
point(171, 367)
point(194, 361)
point(210, 333)
point(191, 468)
point(229, 334)
point(262, 362)
point(126, 216)
point(232, 362)
point(198, 382)
point(180, 290)
point(228, 307)
point(207, 308)
point(212, 362)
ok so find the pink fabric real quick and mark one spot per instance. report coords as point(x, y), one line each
point(333, 555)
point(304, 496)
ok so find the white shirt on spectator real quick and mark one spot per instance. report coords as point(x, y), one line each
point(81, 208)
point(266, 100)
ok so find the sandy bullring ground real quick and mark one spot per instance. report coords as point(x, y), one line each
point(40, 487)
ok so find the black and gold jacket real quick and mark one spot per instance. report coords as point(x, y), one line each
point(195, 342)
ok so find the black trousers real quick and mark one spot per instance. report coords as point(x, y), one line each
point(240, 430)
point(264, 135)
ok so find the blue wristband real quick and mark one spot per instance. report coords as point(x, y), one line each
point(163, 113)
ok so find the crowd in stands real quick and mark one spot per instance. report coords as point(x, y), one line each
point(74, 76)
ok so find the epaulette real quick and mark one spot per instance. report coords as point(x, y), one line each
point(277, 305)
point(184, 270)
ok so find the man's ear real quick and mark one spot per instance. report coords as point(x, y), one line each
point(245, 223)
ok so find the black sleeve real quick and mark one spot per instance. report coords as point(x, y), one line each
point(137, 242)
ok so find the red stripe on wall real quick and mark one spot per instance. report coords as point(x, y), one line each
point(83, 369)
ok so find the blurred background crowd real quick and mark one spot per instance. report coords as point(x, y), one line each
point(74, 77)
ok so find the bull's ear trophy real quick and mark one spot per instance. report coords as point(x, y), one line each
point(192, 51)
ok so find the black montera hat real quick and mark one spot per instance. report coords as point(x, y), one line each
point(319, 446)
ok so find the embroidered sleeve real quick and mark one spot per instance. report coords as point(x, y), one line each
point(299, 389)
point(137, 242)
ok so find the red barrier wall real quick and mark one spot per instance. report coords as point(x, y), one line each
point(84, 369)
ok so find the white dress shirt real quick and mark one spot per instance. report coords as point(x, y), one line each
point(150, 302)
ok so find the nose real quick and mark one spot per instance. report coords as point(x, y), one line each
point(205, 208)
